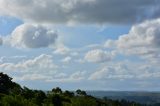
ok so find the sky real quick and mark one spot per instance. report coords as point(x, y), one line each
point(86, 44)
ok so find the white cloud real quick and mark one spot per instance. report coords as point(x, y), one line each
point(31, 36)
point(111, 72)
point(98, 55)
point(143, 40)
point(41, 64)
point(81, 11)
point(67, 59)
point(124, 71)
point(32, 77)
point(40, 68)
point(74, 77)
point(57, 77)
point(62, 50)
point(79, 75)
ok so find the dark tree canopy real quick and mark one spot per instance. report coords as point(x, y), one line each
point(6, 83)
point(12, 94)
point(80, 92)
point(57, 90)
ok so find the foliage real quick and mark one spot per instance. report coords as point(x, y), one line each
point(17, 100)
point(12, 94)
point(80, 92)
point(57, 90)
point(6, 83)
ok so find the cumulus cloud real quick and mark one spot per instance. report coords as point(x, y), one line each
point(81, 11)
point(79, 75)
point(143, 40)
point(98, 55)
point(32, 77)
point(40, 68)
point(62, 50)
point(39, 64)
point(67, 59)
point(32, 36)
point(73, 77)
point(57, 77)
point(125, 71)
point(110, 72)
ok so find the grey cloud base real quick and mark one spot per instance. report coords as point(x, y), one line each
point(82, 11)
point(32, 36)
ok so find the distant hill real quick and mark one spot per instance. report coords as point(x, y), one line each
point(137, 96)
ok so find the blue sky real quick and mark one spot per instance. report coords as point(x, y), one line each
point(86, 44)
point(8, 24)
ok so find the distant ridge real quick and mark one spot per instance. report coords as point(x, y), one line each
point(149, 97)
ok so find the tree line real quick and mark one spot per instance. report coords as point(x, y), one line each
point(12, 94)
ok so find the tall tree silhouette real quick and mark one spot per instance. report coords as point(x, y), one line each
point(6, 83)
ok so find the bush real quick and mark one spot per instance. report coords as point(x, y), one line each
point(15, 101)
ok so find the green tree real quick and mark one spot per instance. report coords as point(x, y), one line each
point(27, 93)
point(39, 97)
point(57, 90)
point(81, 93)
point(83, 101)
point(68, 93)
point(6, 83)
point(10, 100)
